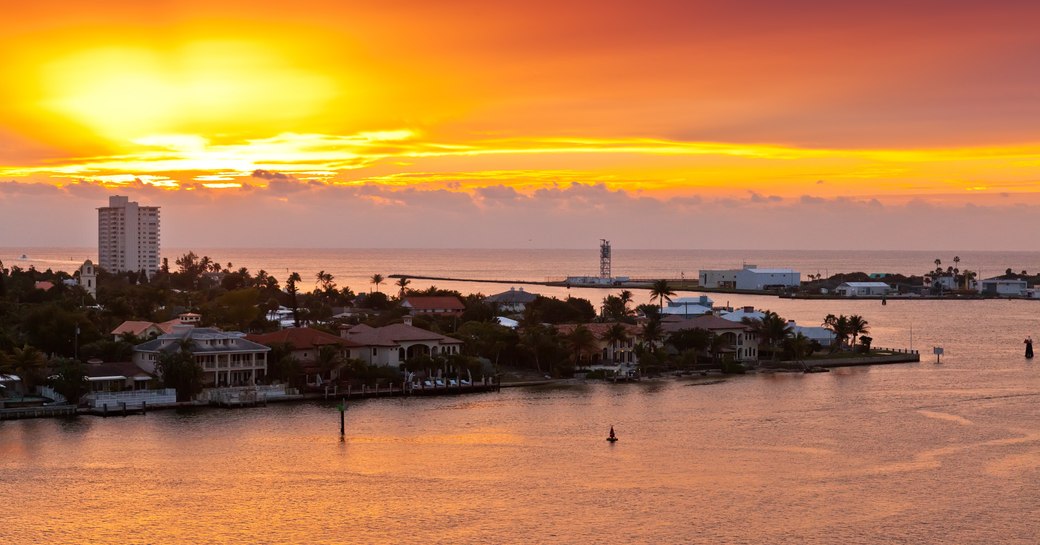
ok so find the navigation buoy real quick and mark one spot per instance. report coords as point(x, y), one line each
point(1029, 348)
point(612, 438)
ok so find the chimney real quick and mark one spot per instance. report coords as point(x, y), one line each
point(408, 319)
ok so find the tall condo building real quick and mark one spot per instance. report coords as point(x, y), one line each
point(128, 236)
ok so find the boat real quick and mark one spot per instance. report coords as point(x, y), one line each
point(1029, 348)
point(612, 438)
point(816, 369)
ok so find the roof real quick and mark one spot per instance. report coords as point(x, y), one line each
point(394, 334)
point(686, 309)
point(300, 338)
point(1000, 279)
point(43, 285)
point(740, 314)
point(136, 327)
point(771, 271)
point(124, 369)
point(200, 337)
point(709, 322)
point(599, 328)
point(446, 302)
point(865, 285)
point(513, 296)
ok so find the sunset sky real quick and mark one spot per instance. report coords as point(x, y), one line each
point(683, 124)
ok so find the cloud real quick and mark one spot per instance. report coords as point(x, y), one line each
point(756, 197)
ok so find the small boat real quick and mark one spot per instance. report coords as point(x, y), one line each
point(816, 369)
point(1029, 348)
point(24, 257)
point(612, 438)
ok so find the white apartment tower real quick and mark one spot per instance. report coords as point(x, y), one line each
point(128, 236)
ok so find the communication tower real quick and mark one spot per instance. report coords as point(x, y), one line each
point(604, 259)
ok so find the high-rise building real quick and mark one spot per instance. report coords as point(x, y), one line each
point(128, 236)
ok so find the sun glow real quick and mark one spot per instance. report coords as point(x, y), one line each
point(134, 93)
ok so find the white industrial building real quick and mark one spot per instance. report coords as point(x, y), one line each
point(863, 289)
point(1003, 287)
point(768, 279)
point(750, 277)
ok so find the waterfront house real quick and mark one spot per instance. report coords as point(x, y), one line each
point(739, 314)
point(226, 358)
point(116, 377)
point(741, 341)
point(863, 289)
point(1003, 287)
point(608, 352)
point(150, 330)
point(438, 305)
point(513, 301)
point(688, 307)
point(393, 344)
point(819, 334)
point(305, 344)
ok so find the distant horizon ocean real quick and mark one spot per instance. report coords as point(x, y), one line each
point(355, 267)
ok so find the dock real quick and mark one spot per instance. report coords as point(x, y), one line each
point(42, 411)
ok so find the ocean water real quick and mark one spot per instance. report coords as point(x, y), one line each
point(913, 453)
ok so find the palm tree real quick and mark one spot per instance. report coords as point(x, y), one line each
point(27, 362)
point(616, 337)
point(329, 358)
point(403, 284)
point(938, 265)
point(799, 345)
point(377, 279)
point(324, 281)
point(773, 329)
point(652, 332)
point(857, 326)
point(290, 287)
point(660, 292)
point(717, 344)
point(839, 325)
point(580, 340)
point(626, 299)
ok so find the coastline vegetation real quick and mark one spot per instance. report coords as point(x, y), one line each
point(46, 334)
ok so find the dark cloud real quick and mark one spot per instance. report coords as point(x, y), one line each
point(271, 175)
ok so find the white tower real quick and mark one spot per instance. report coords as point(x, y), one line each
point(88, 278)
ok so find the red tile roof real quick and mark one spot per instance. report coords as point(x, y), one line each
point(599, 329)
point(300, 338)
point(393, 334)
point(44, 285)
point(136, 327)
point(711, 323)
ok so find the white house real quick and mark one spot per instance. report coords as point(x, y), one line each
point(863, 289)
point(741, 313)
point(227, 358)
point(1003, 287)
point(767, 279)
point(819, 334)
point(687, 307)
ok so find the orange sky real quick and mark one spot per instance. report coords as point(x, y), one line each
point(765, 103)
